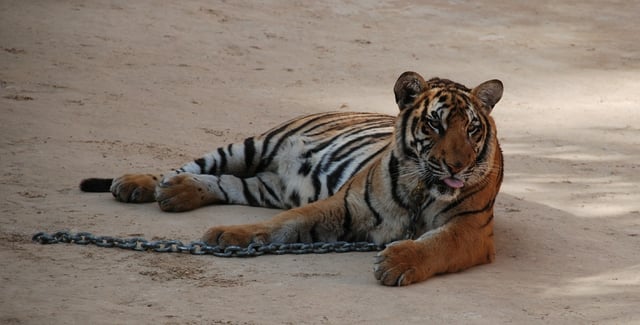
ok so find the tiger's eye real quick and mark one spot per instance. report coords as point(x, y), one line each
point(434, 124)
point(473, 128)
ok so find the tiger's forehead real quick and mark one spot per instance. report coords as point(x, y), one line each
point(441, 103)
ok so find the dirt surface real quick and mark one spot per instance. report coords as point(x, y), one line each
point(100, 88)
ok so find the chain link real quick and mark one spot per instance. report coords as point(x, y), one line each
point(202, 248)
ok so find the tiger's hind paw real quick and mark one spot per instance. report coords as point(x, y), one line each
point(134, 188)
point(184, 192)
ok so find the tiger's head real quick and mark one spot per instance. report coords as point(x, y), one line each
point(444, 132)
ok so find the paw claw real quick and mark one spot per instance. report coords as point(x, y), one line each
point(398, 264)
point(378, 259)
point(164, 183)
point(181, 192)
point(134, 188)
point(243, 235)
point(134, 195)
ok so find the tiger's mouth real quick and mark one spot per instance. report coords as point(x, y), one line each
point(453, 182)
point(448, 187)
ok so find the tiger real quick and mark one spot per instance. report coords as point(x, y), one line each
point(422, 183)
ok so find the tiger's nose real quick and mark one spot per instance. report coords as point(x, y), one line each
point(455, 166)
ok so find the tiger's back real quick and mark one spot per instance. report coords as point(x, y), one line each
point(316, 154)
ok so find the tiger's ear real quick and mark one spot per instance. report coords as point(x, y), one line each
point(407, 89)
point(489, 92)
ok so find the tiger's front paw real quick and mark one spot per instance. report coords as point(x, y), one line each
point(182, 192)
point(241, 235)
point(134, 188)
point(402, 263)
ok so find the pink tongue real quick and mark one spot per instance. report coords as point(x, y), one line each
point(453, 183)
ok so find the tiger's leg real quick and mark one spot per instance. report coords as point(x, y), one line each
point(183, 192)
point(319, 221)
point(239, 159)
point(338, 217)
point(455, 246)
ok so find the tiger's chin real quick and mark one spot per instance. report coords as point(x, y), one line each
point(444, 192)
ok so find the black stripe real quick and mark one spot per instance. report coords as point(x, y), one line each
point(367, 198)
point(320, 146)
point(371, 124)
point(425, 110)
point(366, 161)
point(460, 200)
point(482, 156)
point(230, 149)
point(346, 223)
point(486, 208)
point(294, 198)
point(333, 179)
point(265, 144)
point(406, 150)
point(326, 161)
point(425, 147)
point(226, 196)
point(249, 152)
point(305, 168)
point(315, 179)
point(403, 127)
point(268, 188)
point(349, 131)
point(261, 195)
point(488, 221)
point(351, 117)
point(266, 161)
point(214, 168)
point(251, 200)
point(466, 100)
point(372, 138)
point(394, 173)
point(335, 119)
point(459, 102)
point(202, 163)
point(414, 125)
point(223, 161)
point(501, 165)
point(324, 164)
point(269, 204)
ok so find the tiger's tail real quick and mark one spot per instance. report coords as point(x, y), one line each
point(96, 185)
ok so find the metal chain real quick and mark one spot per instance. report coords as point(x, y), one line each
point(202, 248)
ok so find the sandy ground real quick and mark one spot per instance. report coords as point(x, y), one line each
point(100, 88)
